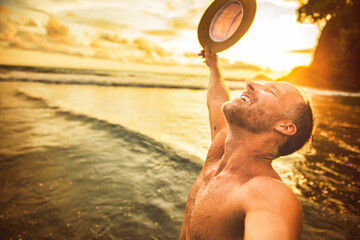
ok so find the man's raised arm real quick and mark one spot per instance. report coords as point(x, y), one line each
point(217, 94)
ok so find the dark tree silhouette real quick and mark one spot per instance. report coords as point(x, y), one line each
point(336, 61)
point(316, 10)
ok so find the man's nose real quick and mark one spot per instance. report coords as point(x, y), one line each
point(252, 86)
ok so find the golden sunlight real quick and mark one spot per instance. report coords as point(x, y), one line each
point(161, 35)
point(276, 42)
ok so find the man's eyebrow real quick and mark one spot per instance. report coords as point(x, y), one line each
point(276, 89)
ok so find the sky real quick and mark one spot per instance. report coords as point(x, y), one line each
point(142, 35)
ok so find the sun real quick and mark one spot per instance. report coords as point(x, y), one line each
point(275, 44)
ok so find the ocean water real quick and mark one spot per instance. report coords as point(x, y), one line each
point(91, 154)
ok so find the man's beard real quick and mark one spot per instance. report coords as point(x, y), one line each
point(253, 120)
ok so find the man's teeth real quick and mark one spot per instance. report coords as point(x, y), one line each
point(246, 99)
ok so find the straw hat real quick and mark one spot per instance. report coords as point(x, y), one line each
point(225, 22)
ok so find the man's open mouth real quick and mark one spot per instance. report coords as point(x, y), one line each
point(246, 98)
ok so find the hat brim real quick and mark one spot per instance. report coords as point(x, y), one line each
point(249, 10)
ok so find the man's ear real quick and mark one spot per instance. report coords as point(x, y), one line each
point(286, 128)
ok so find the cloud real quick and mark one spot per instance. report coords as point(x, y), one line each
point(115, 35)
point(55, 29)
point(150, 48)
point(108, 44)
point(100, 23)
point(95, 44)
point(9, 32)
point(170, 5)
point(196, 12)
point(308, 50)
point(182, 23)
point(185, 20)
point(161, 33)
point(70, 14)
point(191, 55)
point(32, 41)
point(238, 65)
point(262, 76)
point(155, 61)
point(143, 51)
point(19, 43)
point(153, 14)
point(226, 64)
point(113, 38)
point(7, 29)
point(105, 53)
point(31, 23)
point(5, 10)
point(57, 38)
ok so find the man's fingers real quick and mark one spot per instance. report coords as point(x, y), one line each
point(206, 54)
point(207, 50)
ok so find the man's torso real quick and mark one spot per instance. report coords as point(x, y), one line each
point(214, 206)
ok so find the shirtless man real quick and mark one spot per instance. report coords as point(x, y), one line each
point(238, 195)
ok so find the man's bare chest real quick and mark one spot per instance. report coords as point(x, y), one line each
point(213, 210)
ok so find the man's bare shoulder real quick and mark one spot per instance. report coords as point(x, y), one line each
point(266, 191)
point(269, 202)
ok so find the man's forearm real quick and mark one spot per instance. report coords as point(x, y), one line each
point(217, 93)
point(217, 89)
point(216, 96)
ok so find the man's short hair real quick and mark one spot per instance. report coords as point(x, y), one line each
point(302, 116)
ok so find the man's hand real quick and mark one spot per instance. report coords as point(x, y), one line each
point(210, 58)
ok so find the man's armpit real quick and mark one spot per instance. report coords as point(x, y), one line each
point(216, 149)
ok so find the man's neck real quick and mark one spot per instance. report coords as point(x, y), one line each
point(248, 154)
